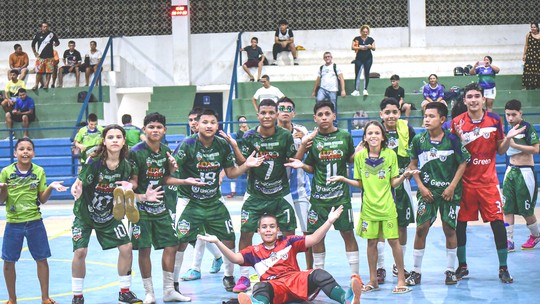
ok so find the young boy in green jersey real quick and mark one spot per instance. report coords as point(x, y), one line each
point(134, 135)
point(153, 164)
point(519, 187)
point(88, 137)
point(329, 151)
point(23, 187)
point(442, 160)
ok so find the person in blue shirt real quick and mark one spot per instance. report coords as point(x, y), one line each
point(486, 79)
point(23, 111)
point(433, 91)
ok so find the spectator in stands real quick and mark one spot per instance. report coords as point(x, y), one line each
point(23, 111)
point(12, 90)
point(398, 93)
point(433, 91)
point(266, 92)
point(486, 79)
point(284, 41)
point(134, 135)
point(44, 41)
point(72, 61)
point(91, 61)
point(531, 59)
point(329, 81)
point(88, 138)
point(19, 61)
point(255, 58)
point(362, 45)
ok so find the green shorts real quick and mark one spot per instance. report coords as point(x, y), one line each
point(404, 204)
point(519, 190)
point(212, 218)
point(448, 209)
point(158, 232)
point(171, 193)
point(372, 229)
point(254, 207)
point(318, 215)
point(110, 235)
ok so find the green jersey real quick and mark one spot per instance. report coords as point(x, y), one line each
point(376, 175)
point(438, 161)
point(90, 139)
point(329, 155)
point(133, 135)
point(526, 138)
point(270, 179)
point(22, 192)
point(99, 182)
point(151, 168)
point(196, 160)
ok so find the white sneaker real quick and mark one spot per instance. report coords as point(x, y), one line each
point(355, 93)
point(365, 93)
point(150, 298)
point(175, 296)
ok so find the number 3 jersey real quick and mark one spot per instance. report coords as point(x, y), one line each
point(329, 155)
point(270, 179)
point(197, 161)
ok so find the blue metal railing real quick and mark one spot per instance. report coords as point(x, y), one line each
point(233, 89)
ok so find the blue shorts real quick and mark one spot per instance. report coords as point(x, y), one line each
point(36, 238)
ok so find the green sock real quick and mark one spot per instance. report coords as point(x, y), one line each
point(503, 256)
point(462, 254)
point(337, 294)
point(262, 298)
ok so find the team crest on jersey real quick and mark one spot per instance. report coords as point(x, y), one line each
point(181, 154)
point(320, 146)
point(136, 231)
point(364, 226)
point(421, 209)
point(366, 174)
point(313, 217)
point(392, 142)
point(257, 146)
point(476, 131)
point(244, 217)
point(195, 189)
point(33, 185)
point(433, 152)
point(89, 178)
point(422, 139)
point(443, 158)
point(199, 156)
point(382, 174)
point(486, 135)
point(76, 233)
point(183, 227)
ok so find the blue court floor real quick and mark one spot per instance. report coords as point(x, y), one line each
point(101, 285)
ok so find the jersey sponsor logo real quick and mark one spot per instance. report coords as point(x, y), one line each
point(136, 231)
point(208, 166)
point(244, 217)
point(364, 226)
point(313, 217)
point(105, 187)
point(183, 227)
point(155, 173)
point(330, 155)
point(439, 184)
point(76, 233)
point(268, 155)
point(421, 209)
point(480, 161)
point(268, 187)
point(329, 192)
point(90, 178)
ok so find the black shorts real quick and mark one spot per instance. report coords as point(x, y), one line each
point(65, 69)
point(18, 117)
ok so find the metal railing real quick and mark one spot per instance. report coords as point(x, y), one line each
point(233, 89)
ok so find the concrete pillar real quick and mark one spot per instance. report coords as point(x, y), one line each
point(181, 33)
point(417, 23)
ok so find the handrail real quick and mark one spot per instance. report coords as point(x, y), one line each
point(97, 76)
point(234, 83)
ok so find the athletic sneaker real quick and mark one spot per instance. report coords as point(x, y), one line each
point(511, 247)
point(244, 298)
point(450, 278)
point(191, 275)
point(531, 242)
point(414, 279)
point(174, 296)
point(394, 272)
point(365, 93)
point(228, 283)
point(216, 265)
point(119, 207)
point(150, 298)
point(132, 213)
point(355, 93)
point(461, 272)
point(128, 297)
point(77, 300)
point(381, 275)
point(356, 287)
point(242, 285)
point(504, 275)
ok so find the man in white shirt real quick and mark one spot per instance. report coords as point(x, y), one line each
point(329, 81)
point(266, 92)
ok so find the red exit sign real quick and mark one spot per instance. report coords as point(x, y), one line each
point(179, 10)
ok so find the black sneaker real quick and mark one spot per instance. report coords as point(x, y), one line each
point(77, 300)
point(413, 279)
point(177, 286)
point(450, 278)
point(381, 275)
point(229, 283)
point(128, 297)
point(394, 272)
point(505, 277)
point(462, 271)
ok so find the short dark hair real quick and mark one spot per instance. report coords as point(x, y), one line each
point(14, 71)
point(267, 103)
point(255, 38)
point(92, 117)
point(44, 22)
point(265, 216)
point(322, 104)
point(20, 140)
point(195, 111)
point(241, 116)
point(16, 46)
point(155, 117)
point(513, 104)
point(437, 77)
point(207, 112)
point(440, 107)
point(126, 118)
point(389, 101)
point(283, 21)
point(285, 99)
point(21, 90)
point(266, 77)
point(394, 77)
point(94, 42)
point(489, 58)
point(70, 42)
point(473, 86)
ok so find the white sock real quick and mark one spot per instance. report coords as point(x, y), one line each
point(125, 281)
point(214, 250)
point(380, 258)
point(352, 257)
point(179, 258)
point(318, 260)
point(451, 258)
point(404, 249)
point(148, 285)
point(198, 253)
point(418, 255)
point(228, 267)
point(77, 285)
point(533, 228)
point(510, 232)
point(168, 283)
point(244, 271)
